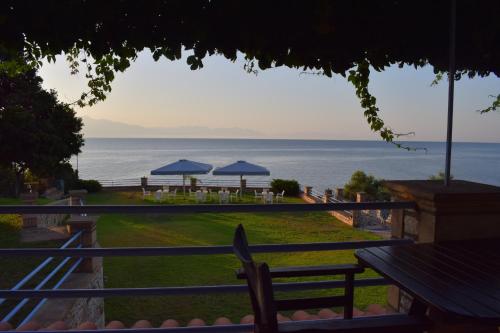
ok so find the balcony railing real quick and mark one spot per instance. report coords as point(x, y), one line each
point(136, 182)
point(79, 253)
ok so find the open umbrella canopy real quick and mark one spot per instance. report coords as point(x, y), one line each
point(183, 167)
point(241, 168)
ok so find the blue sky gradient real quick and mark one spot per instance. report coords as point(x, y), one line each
point(282, 103)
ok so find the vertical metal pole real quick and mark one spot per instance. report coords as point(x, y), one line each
point(451, 88)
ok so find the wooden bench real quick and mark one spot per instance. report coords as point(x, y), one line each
point(265, 306)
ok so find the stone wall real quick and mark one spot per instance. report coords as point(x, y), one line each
point(359, 218)
point(76, 311)
point(374, 217)
point(50, 220)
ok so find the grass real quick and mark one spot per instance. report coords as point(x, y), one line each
point(17, 201)
point(119, 230)
point(115, 230)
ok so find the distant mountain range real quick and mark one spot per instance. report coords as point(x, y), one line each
point(102, 128)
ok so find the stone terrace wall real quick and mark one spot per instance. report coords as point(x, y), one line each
point(50, 220)
point(363, 218)
point(76, 311)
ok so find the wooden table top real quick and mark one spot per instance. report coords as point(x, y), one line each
point(459, 278)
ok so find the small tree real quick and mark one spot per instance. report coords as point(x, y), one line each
point(37, 132)
point(361, 182)
point(439, 176)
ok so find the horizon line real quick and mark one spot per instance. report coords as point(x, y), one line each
point(284, 139)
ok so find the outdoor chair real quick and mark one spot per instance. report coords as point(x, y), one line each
point(200, 196)
point(173, 194)
point(192, 193)
point(267, 197)
point(234, 195)
point(258, 196)
point(159, 195)
point(265, 306)
point(280, 196)
point(145, 193)
point(223, 196)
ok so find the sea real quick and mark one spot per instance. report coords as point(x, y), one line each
point(318, 163)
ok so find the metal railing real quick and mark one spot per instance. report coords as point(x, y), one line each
point(129, 182)
point(79, 253)
point(35, 272)
point(320, 197)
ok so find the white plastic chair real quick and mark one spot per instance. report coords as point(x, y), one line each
point(258, 196)
point(267, 197)
point(145, 193)
point(200, 196)
point(280, 196)
point(158, 195)
point(234, 195)
point(192, 193)
point(223, 197)
point(173, 194)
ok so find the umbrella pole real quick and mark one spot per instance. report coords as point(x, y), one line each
point(451, 88)
point(184, 185)
point(241, 186)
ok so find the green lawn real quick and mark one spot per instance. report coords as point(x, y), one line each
point(116, 230)
point(17, 201)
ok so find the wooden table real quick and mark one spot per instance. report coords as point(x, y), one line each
point(459, 279)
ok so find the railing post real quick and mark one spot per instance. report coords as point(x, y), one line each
point(339, 193)
point(194, 182)
point(29, 220)
point(77, 197)
point(144, 182)
point(327, 196)
point(86, 224)
point(464, 210)
point(357, 214)
point(307, 190)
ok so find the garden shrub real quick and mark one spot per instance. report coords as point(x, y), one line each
point(290, 186)
point(361, 182)
point(90, 185)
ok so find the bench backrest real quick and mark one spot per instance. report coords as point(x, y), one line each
point(259, 285)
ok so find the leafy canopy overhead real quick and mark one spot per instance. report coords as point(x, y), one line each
point(346, 37)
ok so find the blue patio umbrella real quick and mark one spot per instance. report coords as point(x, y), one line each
point(241, 168)
point(183, 167)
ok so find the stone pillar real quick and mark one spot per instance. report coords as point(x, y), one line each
point(464, 210)
point(77, 197)
point(307, 190)
point(356, 214)
point(327, 196)
point(362, 197)
point(29, 220)
point(339, 193)
point(194, 182)
point(88, 225)
point(144, 182)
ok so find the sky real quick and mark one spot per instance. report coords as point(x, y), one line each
point(225, 101)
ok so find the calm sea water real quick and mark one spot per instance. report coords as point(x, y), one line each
point(317, 163)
